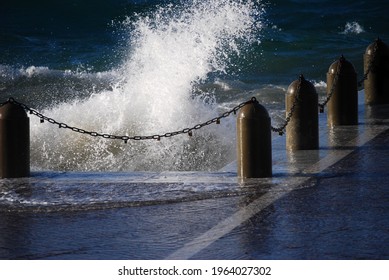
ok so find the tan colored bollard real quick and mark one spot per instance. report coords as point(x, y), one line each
point(254, 142)
point(302, 131)
point(342, 88)
point(376, 66)
point(14, 142)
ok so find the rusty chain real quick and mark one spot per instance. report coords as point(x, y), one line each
point(125, 138)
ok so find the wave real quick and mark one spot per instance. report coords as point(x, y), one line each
point(41, 87)
point(172, 52)
point(353, 28)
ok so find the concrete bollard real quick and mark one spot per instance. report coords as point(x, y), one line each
point(14, 142)
point(342, 88)
point(302, 131)
point(376, 66)
point(254, 142)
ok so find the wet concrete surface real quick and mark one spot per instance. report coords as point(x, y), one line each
point(332, 203)
point(343, 213)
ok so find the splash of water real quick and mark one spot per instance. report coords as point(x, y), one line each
point(172, 51)
point(353, 28)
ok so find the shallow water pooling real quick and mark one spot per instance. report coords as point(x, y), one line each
point(53, 191)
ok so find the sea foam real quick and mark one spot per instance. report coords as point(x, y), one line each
point(352, 28)
point(172, 50)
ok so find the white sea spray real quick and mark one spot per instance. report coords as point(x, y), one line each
point(171, 52)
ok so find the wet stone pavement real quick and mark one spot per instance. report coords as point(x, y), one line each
point(332, 203)
point(343, 213)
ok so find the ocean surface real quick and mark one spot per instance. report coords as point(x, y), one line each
point(134, 68)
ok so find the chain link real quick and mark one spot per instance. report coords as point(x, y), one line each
point(371, 64)
point(281, 130)
point(126, 138)
point(334, 83)
point(336, 78)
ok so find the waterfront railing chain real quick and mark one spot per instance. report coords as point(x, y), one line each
point(280, 130)
point(126, 138)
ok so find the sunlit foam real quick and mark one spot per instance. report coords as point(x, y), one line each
point(352, 28)
point(171, 52)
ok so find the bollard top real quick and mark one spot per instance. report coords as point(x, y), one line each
point(11, 111)
point(377, 46)
point(347, 68)
point(253, 110)
point(301, 85)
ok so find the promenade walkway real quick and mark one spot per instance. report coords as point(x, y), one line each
point(332, 203)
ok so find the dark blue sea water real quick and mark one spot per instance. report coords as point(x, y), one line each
point(133, 67)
